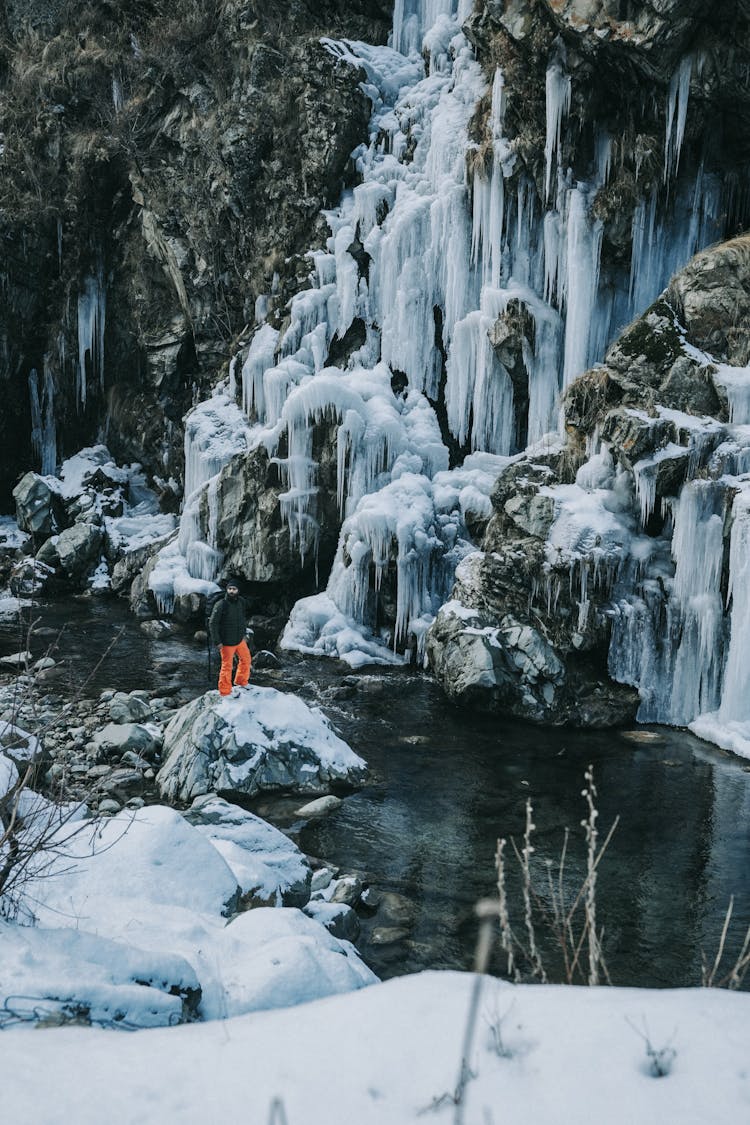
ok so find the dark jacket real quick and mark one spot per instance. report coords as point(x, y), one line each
point(228, 621)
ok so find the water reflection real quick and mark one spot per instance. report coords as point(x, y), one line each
point(446, 785)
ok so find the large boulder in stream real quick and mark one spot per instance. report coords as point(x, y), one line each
point(253, 741)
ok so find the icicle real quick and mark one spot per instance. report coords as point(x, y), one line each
point(603, 156)
point(735, 699)
point(677, 104)
point(118, 100)
point(92, 305)
point(558, 93)
point(584, 245)
point(43, 438)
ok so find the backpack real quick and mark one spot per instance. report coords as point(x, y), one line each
point(211, 601)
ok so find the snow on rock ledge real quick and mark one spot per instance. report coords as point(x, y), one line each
point(64, 975)
point(256, 740)
point(269, 867)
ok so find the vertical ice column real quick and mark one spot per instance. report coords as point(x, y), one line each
point(43, 438)
point(698, 550)
point(677, 104)
point(558, 91)
point(92, 304)
point(260, 358)
point(489, 195)
point(412, 18)
point(544, 371)
point(583, 250)
point(479, 392)
point(735, 698)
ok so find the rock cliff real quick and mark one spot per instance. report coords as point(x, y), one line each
point(164, 169)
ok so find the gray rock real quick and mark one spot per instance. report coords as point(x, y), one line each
point(124, 783)
point(348, 890)
point(388, 935)
point(125, 708)
point(257, 740)
point(17, 659)
point(397, 910)
point(108, 805)
point(321, 879)
point(320, 807)
point(119, 737)
point(38, 506)
point(338, 918)
point(157, 630)
point(79, 547)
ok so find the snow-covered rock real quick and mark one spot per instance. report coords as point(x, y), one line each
point(338, 918)
point(277, 958)
point(256, 740)
point(268, 866)
point(153, 882)
point(151, 855)
point(67, 976)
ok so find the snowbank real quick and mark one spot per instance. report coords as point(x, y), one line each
point(541, 1054)
point(147, 896)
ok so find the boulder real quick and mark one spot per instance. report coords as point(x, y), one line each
point(269, 868)
point(29, 577)
point(338, 918)
point(256, 740)
point(124, 708)
point(38, 506)
point(78, 548)
point(118, 737)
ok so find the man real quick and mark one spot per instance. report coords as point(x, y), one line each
point(226, 627)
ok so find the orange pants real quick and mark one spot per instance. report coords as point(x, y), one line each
point(243, 667)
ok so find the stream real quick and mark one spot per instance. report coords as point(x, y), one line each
point(446, 784)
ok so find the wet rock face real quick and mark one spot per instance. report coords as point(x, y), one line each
point(251, 529)
point(182, 160)
point(614, 51)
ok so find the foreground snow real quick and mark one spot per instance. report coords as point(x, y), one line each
point(147, 897)
point(386, 1053)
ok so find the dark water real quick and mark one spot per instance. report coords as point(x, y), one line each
point(445, 785)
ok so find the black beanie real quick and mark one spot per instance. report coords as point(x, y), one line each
point(232, 581)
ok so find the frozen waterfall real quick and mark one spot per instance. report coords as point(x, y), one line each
point(469, 294)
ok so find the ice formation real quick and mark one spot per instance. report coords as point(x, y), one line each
point(439, 256)
point(92, 307)
point(43, 433)
point(215, 431)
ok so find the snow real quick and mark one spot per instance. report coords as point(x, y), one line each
point(11, 536)
point(160, 891)
point(262, 859)
point(392, 1053)
point(68, 972)
point(261, 716)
